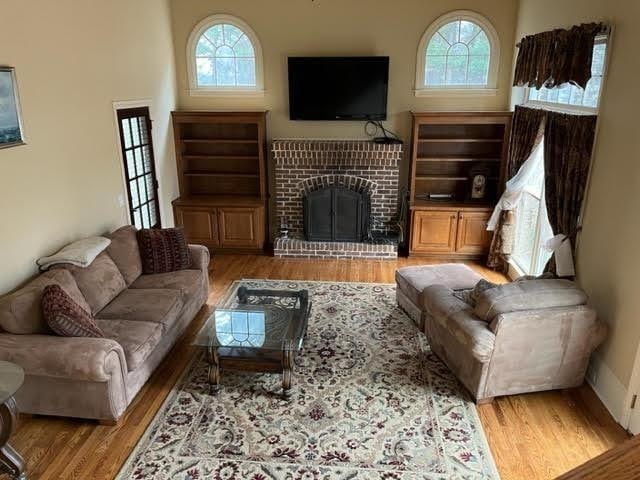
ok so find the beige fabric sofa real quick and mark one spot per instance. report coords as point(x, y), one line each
point(519, 337)
point(142, 316)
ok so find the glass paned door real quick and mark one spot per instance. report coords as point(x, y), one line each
point(139, 166)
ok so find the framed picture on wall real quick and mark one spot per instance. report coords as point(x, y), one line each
point(10, 121)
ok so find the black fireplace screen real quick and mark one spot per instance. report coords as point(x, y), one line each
point(336, 214)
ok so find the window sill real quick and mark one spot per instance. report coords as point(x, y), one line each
point(456, 92)
point(226, 92)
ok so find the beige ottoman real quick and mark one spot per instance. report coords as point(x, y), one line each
point(411, 281)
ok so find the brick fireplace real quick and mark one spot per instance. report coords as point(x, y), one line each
point(305, 166)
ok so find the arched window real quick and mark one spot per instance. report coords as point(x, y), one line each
point(458, 52)
point(224, 56)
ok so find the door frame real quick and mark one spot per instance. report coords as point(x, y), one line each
point(634, 389)
point(123, 197)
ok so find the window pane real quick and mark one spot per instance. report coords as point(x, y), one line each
point(225, 71)
point(145, 216)
point(231, 34)
point(214, 35)
point(150, 190)
point(480, 45)
point(478, 70)
point(135, 132)
point(592, 93)
point(468, 31)
point(450, 32)
point(204, 48)
point(438, 45)
point(147, 159)
point(131, 168)
point(246, 74)
point(564, 93)
point(435, 70)
point(243, 47)
point(126, 132)
point(153, 213)
point(135, 199)
point(225, 52)
point(139, 162)
point(204, 67)
point(597, 64)
point(137, 221)
point(456, 70)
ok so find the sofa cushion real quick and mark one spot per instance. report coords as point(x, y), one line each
point(21, 311)
point(528, 295)
point(470, 295)
point(186, 281)
point(413, 280)
point(125, 253)
point(100, 282)
point(163, 250)
point(137, 339)
point(161, 306)
point(457, 318)
point(65, 317)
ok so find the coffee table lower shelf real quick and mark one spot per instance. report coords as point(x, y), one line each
point(250, 360)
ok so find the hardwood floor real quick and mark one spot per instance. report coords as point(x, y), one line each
point(533, 436)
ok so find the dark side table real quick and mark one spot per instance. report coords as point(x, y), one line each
point(11, 378)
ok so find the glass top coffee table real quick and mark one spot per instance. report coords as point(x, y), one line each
point(262, 333)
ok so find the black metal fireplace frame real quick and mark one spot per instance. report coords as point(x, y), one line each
point(357, 224)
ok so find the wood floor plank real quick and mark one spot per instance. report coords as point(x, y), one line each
point(533, 436)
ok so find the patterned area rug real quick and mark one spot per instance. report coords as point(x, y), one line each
point(370, 401)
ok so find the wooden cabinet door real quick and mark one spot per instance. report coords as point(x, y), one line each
point(241, 227)
point(200, 224)
point(434, 231)
point(473, 237)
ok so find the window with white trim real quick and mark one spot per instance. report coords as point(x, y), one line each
point(533, 229)
point(224, 57)
point(574, 96)
point(459, 51)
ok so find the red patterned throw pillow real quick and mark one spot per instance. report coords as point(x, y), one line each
point(163, 250)
point(65, 317)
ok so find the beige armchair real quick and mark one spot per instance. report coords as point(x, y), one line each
point(515, 338)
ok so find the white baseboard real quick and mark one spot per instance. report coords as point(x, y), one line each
point(608, 388)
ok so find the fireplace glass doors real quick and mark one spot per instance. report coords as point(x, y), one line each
point(337, 214)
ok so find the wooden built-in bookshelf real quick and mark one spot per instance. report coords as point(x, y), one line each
point(447, 147)
point(221, 164)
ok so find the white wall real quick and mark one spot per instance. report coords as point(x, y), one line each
point(73, 59)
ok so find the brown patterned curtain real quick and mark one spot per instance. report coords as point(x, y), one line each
point(549, 59)
point(526, 132)
point(568, 141)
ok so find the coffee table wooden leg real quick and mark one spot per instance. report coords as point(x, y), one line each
point(10, 461)
point(287, 373)
point(214, 370)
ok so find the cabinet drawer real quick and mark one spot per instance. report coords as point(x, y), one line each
point(434, 231)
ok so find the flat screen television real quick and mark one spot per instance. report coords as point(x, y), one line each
point(338, 88)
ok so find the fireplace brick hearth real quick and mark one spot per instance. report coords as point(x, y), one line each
point(302, 166)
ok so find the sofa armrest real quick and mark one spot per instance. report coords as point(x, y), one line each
point(77, 358)
point(200, 257)
point(457, 318)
